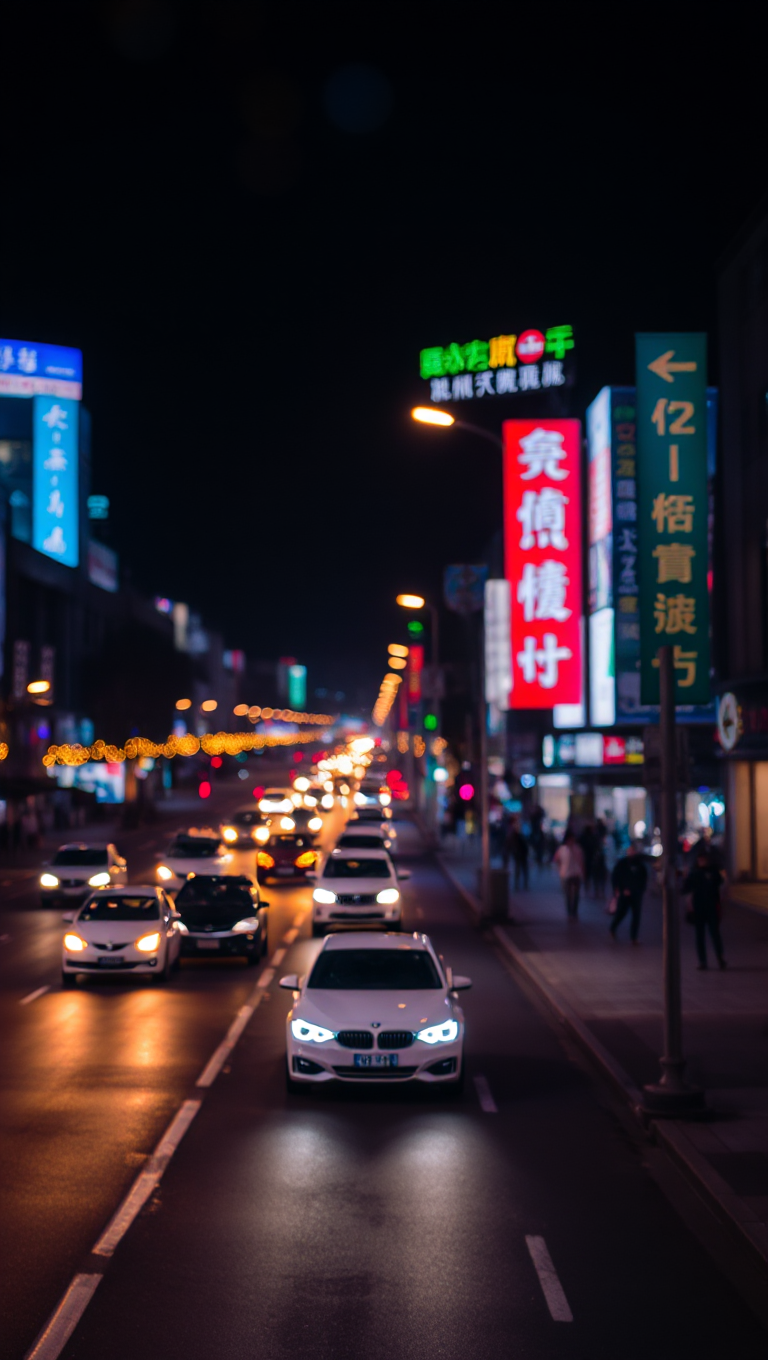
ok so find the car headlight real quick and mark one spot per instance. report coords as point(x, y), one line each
point(315, 824)
point(324, 896)
point(287, 824)
point(49, 881)
point(385, 799)
point(309, 800)
point(261, 834)
point(98, 881)
point(440, 1034)
point(264, 860)
point(388, 895)
point(164, 872)
point(327, 800)
point(148, 943)
point(249, 924)
point(310, 1034)
point(229, 834)
point(74, 944)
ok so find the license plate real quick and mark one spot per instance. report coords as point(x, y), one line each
point(375, 1060)
point(110, 963)
point(287, 869)
point(208, 944)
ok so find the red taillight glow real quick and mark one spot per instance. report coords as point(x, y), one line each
point(205, 789)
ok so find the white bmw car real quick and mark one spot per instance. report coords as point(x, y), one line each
point(191, 854)
point(78, 868)
point(357, 887)
point(375, 1008)
point(122, 930)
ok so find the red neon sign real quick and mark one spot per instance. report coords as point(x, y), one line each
point(542, 542)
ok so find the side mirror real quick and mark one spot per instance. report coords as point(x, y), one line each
point(68, 918)
point(262, 903)
point(403, 873)
point(290, 982)
point(460, 984)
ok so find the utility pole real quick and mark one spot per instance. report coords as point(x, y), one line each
point(672, 1096)
point(485, 834)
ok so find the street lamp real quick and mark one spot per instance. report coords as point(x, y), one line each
point(432, 415)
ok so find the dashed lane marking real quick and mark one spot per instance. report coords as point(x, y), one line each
point(553, 1291)
point(278, 957)
point(25, 1000)
point(487, 1102)
point(147, 1180)
point(265, 979)
point(290, 936)
point(62, 1322)
point(215, 1063)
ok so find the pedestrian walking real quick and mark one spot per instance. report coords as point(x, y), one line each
point(599, 872)
point(516, 845)
point(588, 843)
point(569, 861)
point(629, 880)
point(703, 883)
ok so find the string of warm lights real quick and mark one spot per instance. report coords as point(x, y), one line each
point(389, 687)
point(254, 713)
point(212, 744)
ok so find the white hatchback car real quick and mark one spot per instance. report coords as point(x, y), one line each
point(357, 887)
point(78, 868)
point(122, 930)
point(376, 1008)
point(278, 800)
point(191, 854)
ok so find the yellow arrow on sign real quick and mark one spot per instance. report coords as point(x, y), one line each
point(664, 368)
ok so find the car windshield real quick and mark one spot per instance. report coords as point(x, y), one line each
point(357, 868)
point(193, 847)
point(367, 842)
point(82, 855)
point(106, 908)
point(375, 970)
point(249, 818)
point(215, 891)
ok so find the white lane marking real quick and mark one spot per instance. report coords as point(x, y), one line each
point(215, 1063)
point(290, 936)
point(147, 1180)
point(265, 978)
point(62, 1322)
point(25, 1000)
point(487, 1102)
point(278, 957)
point(553, 1291)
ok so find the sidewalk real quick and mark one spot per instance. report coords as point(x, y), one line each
point(610, 996)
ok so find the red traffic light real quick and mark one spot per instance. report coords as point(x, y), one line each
point(466, 792)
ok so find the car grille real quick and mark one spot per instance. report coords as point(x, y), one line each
point(375, 1073)
point(355, 1038)
point(396, 1038)
point(199, 921)
point(110, 948)
point(355, 899)
point(356, 916)
point(73, 883)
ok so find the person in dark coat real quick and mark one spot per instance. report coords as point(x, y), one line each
point(629, 879)
point(703, 883)
point(516, 845)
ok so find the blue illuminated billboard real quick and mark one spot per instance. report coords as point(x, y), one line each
point(30, 369)
point(54, 478)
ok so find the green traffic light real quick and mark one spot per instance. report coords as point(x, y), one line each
point(430, 722)
point(415, 627)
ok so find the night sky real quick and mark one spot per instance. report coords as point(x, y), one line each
point(252, 217)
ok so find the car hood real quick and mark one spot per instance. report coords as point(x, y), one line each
point(387, 1010)
point(81, 874)
point(118, 932)
point(344, 886)
point(182, 867)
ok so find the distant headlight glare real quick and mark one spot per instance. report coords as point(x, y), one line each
point(315, 824)
point(310, 1034)
point(49, 881)
point(389, 895)
point(148, 943)
point(261, 834)
point(98, 881)
point(164, 872)
point(229, 834)
point(324, 896)
point(440, 1034)
point(74, 944)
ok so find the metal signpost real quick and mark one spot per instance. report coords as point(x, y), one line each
point(672, 511)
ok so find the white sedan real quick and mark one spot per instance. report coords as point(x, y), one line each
point(122, 930)
point(375, 1008)
point(278, 800)
point(77, 868)
point(357, 887)
point(191, 854)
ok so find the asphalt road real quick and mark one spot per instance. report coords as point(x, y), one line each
point(353, 1223)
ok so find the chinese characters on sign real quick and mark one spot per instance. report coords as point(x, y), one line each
point(55, 477)
point(29, 369)
point(542, 533)
point(672, 511)
point(501, 366)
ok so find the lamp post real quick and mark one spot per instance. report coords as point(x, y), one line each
point(432, 415)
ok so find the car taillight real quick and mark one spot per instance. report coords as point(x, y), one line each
point(306, 860)
point(264, 860)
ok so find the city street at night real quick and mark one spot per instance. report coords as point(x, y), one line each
point(383, 683)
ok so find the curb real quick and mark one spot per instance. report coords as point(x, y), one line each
point(732, 1212)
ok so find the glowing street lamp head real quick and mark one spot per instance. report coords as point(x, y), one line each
point(429, 415)
point(411, 601)
point(38, 687)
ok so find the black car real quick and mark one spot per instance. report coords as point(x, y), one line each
point(286, 855)
point(222, 915)
point(238, 831)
